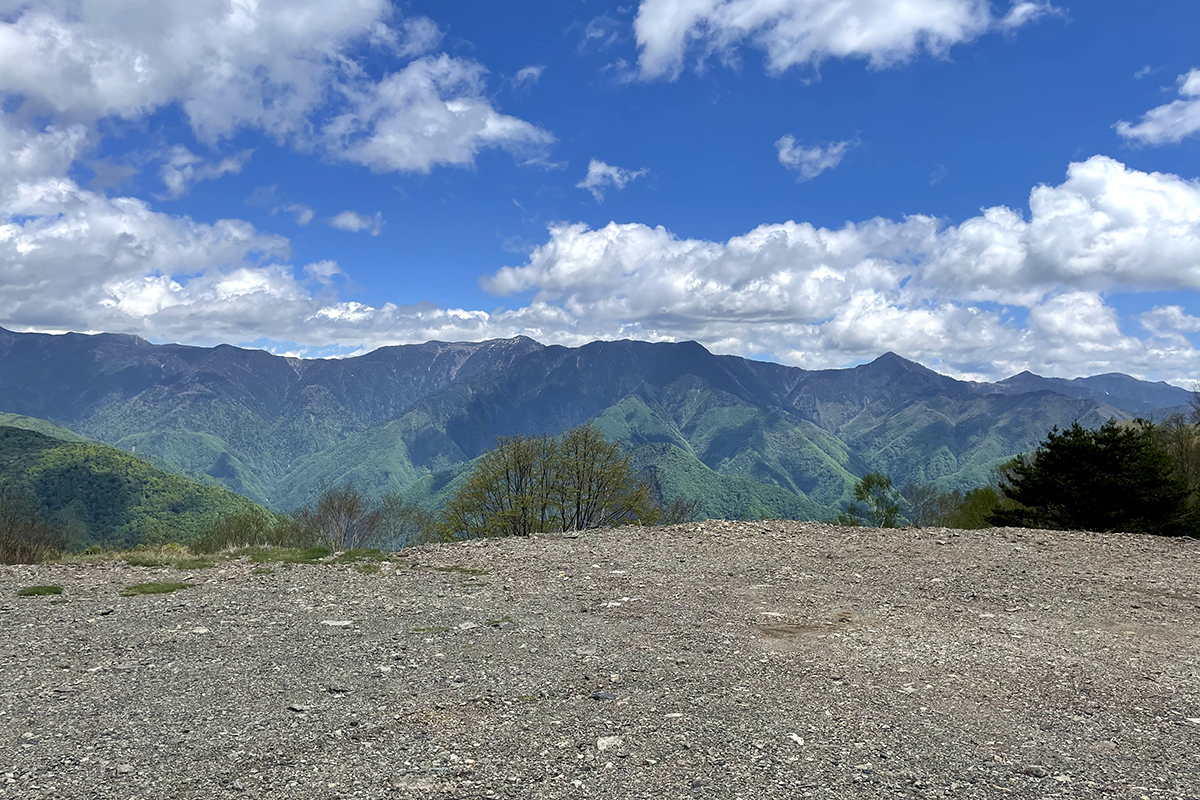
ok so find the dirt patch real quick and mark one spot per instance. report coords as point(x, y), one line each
point(716, 660)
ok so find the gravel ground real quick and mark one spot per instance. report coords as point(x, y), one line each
point(722, 660)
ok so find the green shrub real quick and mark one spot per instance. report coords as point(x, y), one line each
point(282, 555)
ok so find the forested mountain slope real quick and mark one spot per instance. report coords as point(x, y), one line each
point(101, 495)
point(747, 438)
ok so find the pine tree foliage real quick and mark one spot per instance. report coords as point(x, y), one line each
point(1115, 478)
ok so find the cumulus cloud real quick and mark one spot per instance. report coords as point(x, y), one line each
point(799, 32)
point(434, 111)
point(323, 272)
point(601, 177)
point(285, 67)
point(26, 154)
point(994, 294)
point(1170, 123)
point(810, 161)
point(354, 222)
point(1170, 322)
point(936, 292)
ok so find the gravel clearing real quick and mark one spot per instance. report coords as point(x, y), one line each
point(714, 660)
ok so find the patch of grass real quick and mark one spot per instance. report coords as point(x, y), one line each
point(84, 558)
point(282, 555)
point(437, 629)
point(367, 569)
point(359, 554)
point(152, 588)
point(462, 570)
point(38, 591)
point(262, 571)
point(146, 560)
point(195, 563)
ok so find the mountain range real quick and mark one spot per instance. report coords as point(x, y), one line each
point(743, 438)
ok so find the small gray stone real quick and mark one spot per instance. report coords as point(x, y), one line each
point(124, 769)
point(1035, 771)
point(603, 696)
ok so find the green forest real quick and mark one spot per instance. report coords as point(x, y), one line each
point(90, 494)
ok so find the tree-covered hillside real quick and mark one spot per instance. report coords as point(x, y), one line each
point(750, 437)
point(100, 495)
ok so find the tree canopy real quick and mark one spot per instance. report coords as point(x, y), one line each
point(1115, 478)
point(538, 484)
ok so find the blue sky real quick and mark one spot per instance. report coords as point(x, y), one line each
point(981, 187)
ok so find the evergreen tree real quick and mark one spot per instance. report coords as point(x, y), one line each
point(1116, 478)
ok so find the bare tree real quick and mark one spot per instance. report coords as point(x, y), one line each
point(929, 506)
point(402, 524)
point(342, 518)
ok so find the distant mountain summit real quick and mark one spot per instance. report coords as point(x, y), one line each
point(743, 437)
point(1114, 388)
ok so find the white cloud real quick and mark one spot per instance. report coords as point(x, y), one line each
point(183, 168)
point(602, 32)
point(415, 36)
point(992, 295)
point(1170, 322)
point(434, 111)
point(264, 64)
point(1170, 123)
point(527, 76)
point(323, 272)
point(601, 176)
point(1023, 12)
point(285, 67)
point(354, 222)
point(799, 32)
point(810, 161)
point(26, 154)
point(822, 297)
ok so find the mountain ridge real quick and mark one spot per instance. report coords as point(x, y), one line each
point(410, 418)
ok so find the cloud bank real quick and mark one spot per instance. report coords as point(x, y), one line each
point(999, 292)
point(806, 32)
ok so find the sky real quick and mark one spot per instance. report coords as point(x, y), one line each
point(983, 187)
